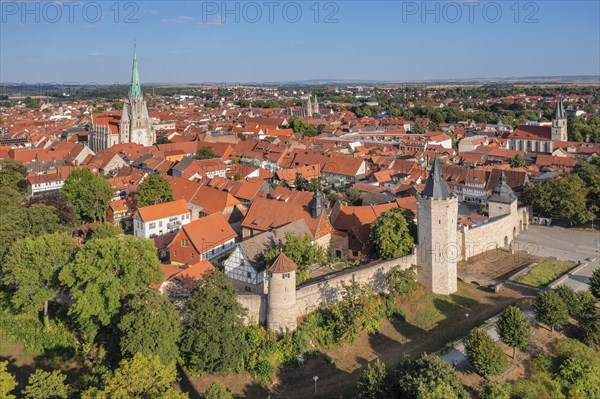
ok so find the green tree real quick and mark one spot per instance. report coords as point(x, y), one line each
point(205, 153)
point(302, 251)
point(299, 125)
point(8, 382)
point(391, 234)
point(17, 223)
point(46, 385)
point(88, 194)
point(550, 309)
point(495, 390)
point(595, 283)
point(428, 373)
point(155, 189)
point(12, 173)
point(571, 299)
point(213, 336)
point(589, 328)
point(513, 328)
point(565, 197)
point(484, 354)
point(136, 378)
point(32, 266)
point(517, 161)
point(401, 281)
point(102, 273)
point(358, 311)
point(106, 230)
point(62, 209)
point(216, 391)
point(150, 325)
point(373, 382)
point(352, 196)
point(10, 197)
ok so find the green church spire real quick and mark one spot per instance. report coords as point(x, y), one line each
point(136, 90)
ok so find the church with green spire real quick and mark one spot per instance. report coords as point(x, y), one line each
point(134, 124)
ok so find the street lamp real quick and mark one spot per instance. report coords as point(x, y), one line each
point(315, 378)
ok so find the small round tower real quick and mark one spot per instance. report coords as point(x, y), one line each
point(503, 200)
point(281, 297)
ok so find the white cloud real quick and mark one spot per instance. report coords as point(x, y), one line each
point(183, 19)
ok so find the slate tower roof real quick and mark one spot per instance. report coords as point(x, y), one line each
point(436, 186)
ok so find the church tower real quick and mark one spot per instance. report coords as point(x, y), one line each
point(136, 126)
point(438, 248)
point(308, 108)
point(281, 297)
point(559, 122)
point(316, 106)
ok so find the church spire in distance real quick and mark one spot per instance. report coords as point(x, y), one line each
point(135, 91)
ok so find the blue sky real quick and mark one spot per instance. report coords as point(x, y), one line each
point(195, 41)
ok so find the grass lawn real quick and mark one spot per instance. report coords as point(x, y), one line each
point(545, 272)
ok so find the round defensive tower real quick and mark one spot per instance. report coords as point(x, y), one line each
point(281, 297)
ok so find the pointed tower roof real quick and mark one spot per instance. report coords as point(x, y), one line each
point(502, 192)
point(559, 111)
point(283, 264)
point(436, 186)
point(135, 91)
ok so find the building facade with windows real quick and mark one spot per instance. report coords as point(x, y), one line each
point(157, 220)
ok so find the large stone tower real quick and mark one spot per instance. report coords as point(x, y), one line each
point(559, 122)
point(136, 126)
point(438, 247)
point(281, 297)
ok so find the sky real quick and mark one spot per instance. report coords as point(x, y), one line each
point(280, 41)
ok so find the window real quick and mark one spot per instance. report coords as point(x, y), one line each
point(152, 225)
point(174, 253)
point(242, 262)
point(192, 255)
point(160, 224)
point(249, 274)
point(183, 243)
point(354, 253)
point(247, 289)
point(286, 275)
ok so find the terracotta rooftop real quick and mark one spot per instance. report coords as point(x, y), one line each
point(283, 264)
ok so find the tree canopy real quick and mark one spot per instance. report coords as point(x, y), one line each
point(514, 328)
point(88, 194)
point(429, 373)
point(155, 189)
point(150, 324)
point(213, 336)
point(550, 309)
point(46, 385)
point(205, 153)
point(391, 233)
point(8, 382)
point(106, 230)
point(139, 377)
point(484, 354)
point(102, 273)
point(32, 266)
point(216, 391)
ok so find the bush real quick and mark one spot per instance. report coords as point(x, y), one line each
point(217, 391)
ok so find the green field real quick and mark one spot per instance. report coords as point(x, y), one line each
point(544, 273)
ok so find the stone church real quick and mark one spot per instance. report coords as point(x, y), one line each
point(132, 126)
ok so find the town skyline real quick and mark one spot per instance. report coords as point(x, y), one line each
point(200, 43)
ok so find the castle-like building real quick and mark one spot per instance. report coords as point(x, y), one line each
point(132, 126)
point(441, 245)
